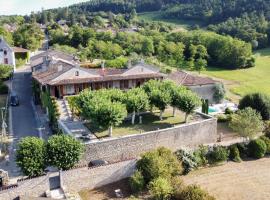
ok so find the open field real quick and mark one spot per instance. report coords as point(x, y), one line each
point(150, 122)
point(178, 23)
point(243, 81)
point(241, 181)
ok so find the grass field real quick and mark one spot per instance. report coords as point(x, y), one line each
point(150, 122)
point(178, 23)
point(244, 81)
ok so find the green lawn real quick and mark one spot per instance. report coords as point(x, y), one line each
point(150, 122)
point(244, 81)
point(178, 23)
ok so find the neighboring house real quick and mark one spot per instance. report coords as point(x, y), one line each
point(40, 62)
point(63, 78)
point(203, 86)
point(7, 55)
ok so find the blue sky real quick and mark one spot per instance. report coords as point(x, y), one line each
point(10, 7)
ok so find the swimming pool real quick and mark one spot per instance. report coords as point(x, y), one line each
point(212, 110)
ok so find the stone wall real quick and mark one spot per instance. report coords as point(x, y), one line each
point(31, 187)
point(189, 135)
point(72, 180)
point(90, 178)
point(204, 91)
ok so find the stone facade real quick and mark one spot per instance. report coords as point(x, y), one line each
point(90, 178)
point(189, 135)
point(205, 91)
point(72, 180)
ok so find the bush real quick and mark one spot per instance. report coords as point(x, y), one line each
point(267, 142)
point(201, 156)
point(257, 101)
point(3, 88)
point(234, 153)
point(247, 123)
point(136, 182)
point(267, 128)
point(221, 118)
point(63, 151)
point(159, 163)
point(243, 149)
point(160, 189)
point(188, 160)
point(30, 156)
point(228, 111)
point(194, 192)
point(257, 148)
point(218, 154)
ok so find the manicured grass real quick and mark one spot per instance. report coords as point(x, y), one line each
point(244, 81)
point(150, 122)
point(178, 23)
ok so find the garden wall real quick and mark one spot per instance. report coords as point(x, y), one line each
point(72, 180)
point(186, 135)
point(90, 178)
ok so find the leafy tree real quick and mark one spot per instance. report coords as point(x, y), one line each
point(187, 101)
point(5, 71)
point(147, 47)
point(247, 122)
point(136, 100)
point(257, 101)
point(105, 113)
point(63, 151)
point(30, 156)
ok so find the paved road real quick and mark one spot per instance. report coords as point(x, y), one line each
point(24, 122)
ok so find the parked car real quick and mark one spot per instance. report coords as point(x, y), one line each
point(14, 99)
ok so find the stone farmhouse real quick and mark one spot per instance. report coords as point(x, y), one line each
point(203, 86)
point(63, 77)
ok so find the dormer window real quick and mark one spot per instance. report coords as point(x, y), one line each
point(77, 73)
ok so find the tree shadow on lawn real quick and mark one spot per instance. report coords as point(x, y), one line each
point(150, 122)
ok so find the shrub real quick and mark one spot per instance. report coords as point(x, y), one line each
point(267, 128)
point(201, 155)
point(257, 101)
point(228, 111)
point(159, 163)
point(247, 122)
point(177, 184)
point(30, 156)
point(188, 160)
point(267, 142)
point(234, 153)
point(3, 88)
point(63, 151)
point(223, 118)
point(136, 182)
point(243, 149)
point(194, 192)
point(218, 154)
point(257, 148)
point(160, 189)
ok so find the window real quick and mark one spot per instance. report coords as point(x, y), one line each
point(5, 52)
point(5, 61)
point(69, 89)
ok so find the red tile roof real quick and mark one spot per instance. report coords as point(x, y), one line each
point(184, 78)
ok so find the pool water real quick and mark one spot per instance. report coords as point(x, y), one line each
point(212, 110)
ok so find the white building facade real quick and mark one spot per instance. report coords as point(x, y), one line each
point(7, 55)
